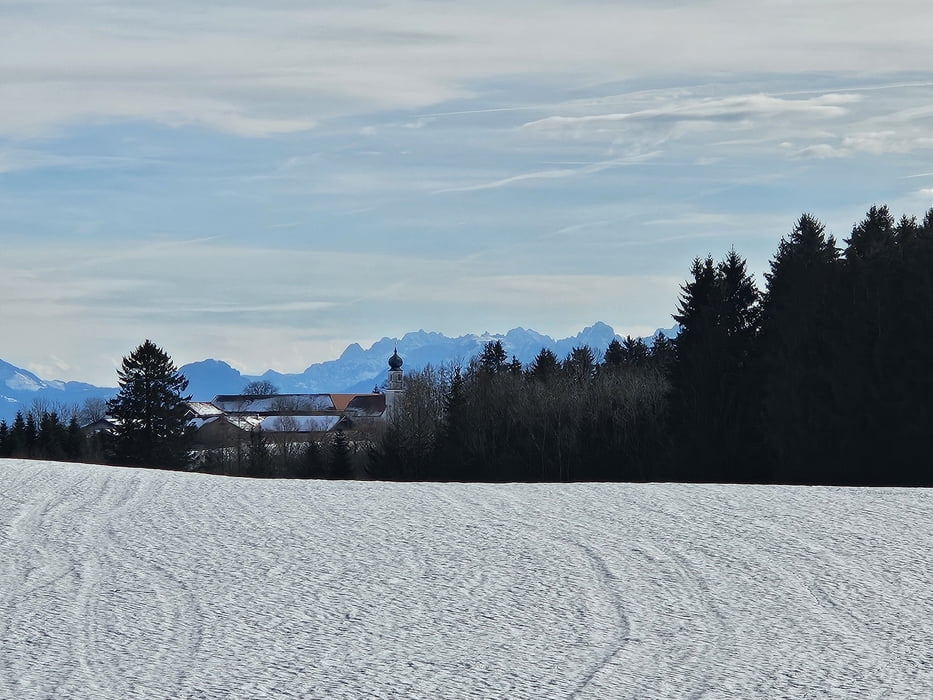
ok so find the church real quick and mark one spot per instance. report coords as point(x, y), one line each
point(229, 418)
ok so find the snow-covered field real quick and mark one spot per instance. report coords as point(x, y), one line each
point(121, 583)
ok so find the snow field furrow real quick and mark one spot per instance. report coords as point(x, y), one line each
point(622, 630)
point(133, 584)
point(41, 568)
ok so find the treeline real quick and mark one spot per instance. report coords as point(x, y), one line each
point(582, 417)
point(284, 456)
point(822, 377)
point(44, 434)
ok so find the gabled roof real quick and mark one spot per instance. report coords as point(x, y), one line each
point(299, 424)
point(367, 405)
point(273, 404)
point(204, 409)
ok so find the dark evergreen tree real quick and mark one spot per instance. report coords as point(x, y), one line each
point(544, 366)
point(493, 358)
point(886, 289)
point(580, 363)
point(258, 457)
point(4, 439)
point(51, 437)
point(634, 352)
point(452, 451)
point(74, 445)
point(150, 411)
point(614, 356)
point(714, 404)
point(31, 434)
point(17, 441)
point(873, 236)
point(312, 464)
point(662, 353)
point(387, 459)
point(341, 466)
point(800, 353)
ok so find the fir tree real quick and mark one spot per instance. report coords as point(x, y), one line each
point(714, 407)
point(17, 440)
point(634, 352)
point(258, 458)
point(340, 464)
point(580, 363)
point(614, 355)
point(799, 323)
point(150, 411)
point(493, 359)
point(544, 366)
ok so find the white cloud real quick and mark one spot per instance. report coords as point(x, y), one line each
point(877, 143)
point(710, 111)
point(281, 66)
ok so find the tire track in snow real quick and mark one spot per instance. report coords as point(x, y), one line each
point(607, 581)
point(838, 597)
point(42, 566)
point(776, 559)
point(137, 610)
point(675, 617)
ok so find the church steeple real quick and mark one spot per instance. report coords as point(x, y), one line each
point(394, 382)
point(395, 362)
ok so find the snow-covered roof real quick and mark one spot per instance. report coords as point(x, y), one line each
point(275, 404)
point(299, 424)
point(105, 425)
point(371, 405)
point(204, 409)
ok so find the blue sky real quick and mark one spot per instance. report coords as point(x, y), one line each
point(265, 183)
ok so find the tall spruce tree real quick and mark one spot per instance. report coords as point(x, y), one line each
point(341, 466)
point(493, 359)
point(544, 366)
point(150, 411)
point(713, 400)
point(800, 320)
point(887, 289)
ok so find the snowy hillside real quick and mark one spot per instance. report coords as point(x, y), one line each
point(119, 583)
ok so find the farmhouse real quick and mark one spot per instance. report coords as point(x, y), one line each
point(229, 419)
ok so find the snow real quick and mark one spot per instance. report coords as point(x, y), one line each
point(275, 404)
point(23, 382)
point(122, 583)
point(297, 423)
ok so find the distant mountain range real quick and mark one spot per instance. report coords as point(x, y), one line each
point(356, 370)
point(20, 389)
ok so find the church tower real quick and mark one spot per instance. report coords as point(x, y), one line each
point(394, 383)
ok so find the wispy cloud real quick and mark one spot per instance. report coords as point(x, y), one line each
point(876, 143)
point(739, 107)
point(553, 173)
point(282, 67)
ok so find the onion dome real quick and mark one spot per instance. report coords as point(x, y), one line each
point(395, 362)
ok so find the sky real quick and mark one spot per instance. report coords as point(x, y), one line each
point(267, 182)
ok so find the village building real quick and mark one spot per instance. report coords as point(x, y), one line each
point(229, 419)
